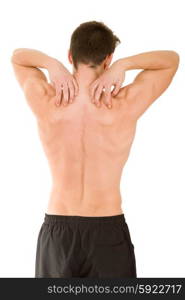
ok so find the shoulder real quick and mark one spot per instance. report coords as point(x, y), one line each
point(124, 94)
point(39, 97)
point(129, 91)
point(38, 88)
point(126, 97)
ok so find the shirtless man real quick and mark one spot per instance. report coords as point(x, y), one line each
point(87, 143)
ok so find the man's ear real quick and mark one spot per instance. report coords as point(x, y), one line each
point(108, 60)
point(70, 57)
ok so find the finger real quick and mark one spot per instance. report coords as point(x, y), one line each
point(65, 95)
point(56, 100)
point(76, 87)
point(71, 92)
point(108, 100)
point(97, 101)
point(116, 89)
point(98, 94)
point(58, 96)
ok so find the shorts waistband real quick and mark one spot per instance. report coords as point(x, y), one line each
point(77, 219)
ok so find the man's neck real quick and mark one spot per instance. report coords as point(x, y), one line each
point(86, 75)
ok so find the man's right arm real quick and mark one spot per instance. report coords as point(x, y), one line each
point(159, 67)
point(27, 64)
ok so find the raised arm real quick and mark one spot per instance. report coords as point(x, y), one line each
point(27, 64)
point(158, 69)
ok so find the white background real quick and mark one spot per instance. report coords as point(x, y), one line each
point(152, 184)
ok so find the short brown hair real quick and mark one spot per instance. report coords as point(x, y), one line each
point(91, 42)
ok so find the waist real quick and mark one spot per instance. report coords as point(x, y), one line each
point(50, 219)
point(96, 203)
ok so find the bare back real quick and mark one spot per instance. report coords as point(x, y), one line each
point(87, 148)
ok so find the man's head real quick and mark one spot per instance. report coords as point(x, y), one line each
point(92, 44)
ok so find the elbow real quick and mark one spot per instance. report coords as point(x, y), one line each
point(16, 54)
point(175, 58)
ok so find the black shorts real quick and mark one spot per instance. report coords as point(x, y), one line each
point(77, 246)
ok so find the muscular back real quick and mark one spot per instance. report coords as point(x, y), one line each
point(87, 148)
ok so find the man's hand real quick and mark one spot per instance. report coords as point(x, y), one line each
point(115, 76)
point(64, 83)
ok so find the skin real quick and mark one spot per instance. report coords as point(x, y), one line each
point(86, 142)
